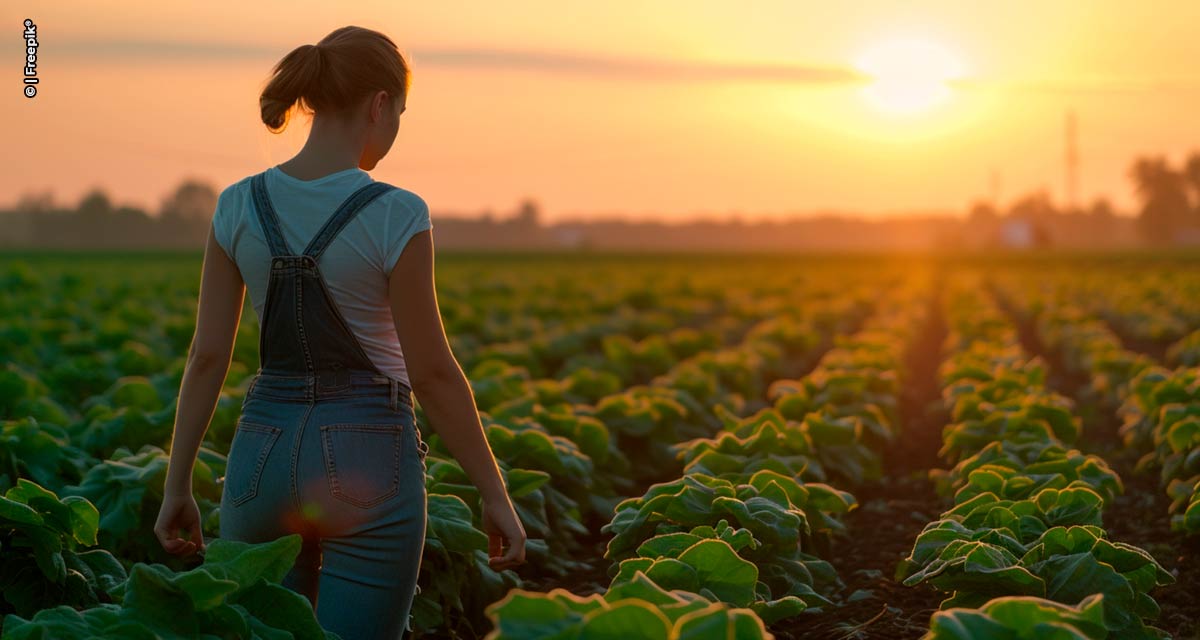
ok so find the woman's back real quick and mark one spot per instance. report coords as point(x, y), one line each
point(355, 266)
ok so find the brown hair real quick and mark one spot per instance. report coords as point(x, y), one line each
point(333, 75)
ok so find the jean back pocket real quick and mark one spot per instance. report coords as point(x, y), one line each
point(252, 443)
point(362, 461)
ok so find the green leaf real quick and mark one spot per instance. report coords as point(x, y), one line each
point(719, 623)
point(280, 608)
point(1022, 618)
point(152, 598)
point(85, 520)
point(775, 610)
point(18, 512)
point(722, 571)
point(244, 563)
point(450, 523)
point(525, 614)
point(626, 620)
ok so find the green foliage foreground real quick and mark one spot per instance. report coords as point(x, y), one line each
point(235, 593)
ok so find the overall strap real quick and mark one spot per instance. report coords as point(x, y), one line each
point(267, 218)
point(344, 214)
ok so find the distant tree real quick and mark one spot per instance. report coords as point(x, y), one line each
point(1166, 210)
point(186, 215)
point(1191, 174)
point(1035, 207)
point(982, 213)
point(1101, 222)
point(94, 203)
point(980, 229)
point(528, 213)
point(91, 225)
point(191, 200)
point(1101, 210)
point(36, 201)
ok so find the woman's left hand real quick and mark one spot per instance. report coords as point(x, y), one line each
point(179, 511)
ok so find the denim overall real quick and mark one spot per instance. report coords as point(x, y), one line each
point(327, 447)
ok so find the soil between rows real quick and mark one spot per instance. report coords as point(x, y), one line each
point(892, 512)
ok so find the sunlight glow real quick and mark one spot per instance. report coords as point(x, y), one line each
point(908, 76)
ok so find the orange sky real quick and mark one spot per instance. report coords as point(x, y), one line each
point(667, 108)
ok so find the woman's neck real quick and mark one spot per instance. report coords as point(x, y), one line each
point(330, 148)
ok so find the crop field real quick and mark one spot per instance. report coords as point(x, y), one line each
point(699, 446)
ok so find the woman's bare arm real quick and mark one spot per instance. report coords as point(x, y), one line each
point(222, 293)
point(445, 395)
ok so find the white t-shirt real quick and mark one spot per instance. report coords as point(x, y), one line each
point(356, 263)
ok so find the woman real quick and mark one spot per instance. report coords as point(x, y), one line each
point(327, 446)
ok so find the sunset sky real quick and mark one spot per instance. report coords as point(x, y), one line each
point(666, 108)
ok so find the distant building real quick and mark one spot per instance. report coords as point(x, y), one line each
point(1023, 233)
point(1016, 234)
point(569, 237)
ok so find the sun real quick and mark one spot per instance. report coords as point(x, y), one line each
point(908, 76)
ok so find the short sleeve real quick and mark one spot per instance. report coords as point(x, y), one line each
point(408, 215)
point(221, 222)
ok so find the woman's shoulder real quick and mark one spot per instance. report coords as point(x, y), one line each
point(239, 188)
point(231, 199)
point(229, 212)
point(228, 196)
point(400, 202)
point(406, 214)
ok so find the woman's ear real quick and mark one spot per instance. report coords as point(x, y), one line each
point(379, 103)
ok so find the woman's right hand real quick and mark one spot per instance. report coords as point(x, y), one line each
point(506, 535)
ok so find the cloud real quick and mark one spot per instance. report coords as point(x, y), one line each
point(636, 67)
point(110, 49)
point(485, 58)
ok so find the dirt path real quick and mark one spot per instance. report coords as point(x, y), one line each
point(1156, 349)
point(893, 512)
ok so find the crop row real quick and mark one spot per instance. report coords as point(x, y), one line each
point(1023, 553)
point(1159, 407)
point(1154, 310)
point(744, 523)
point(1153, 306)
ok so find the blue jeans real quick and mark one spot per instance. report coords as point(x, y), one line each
point(347, 472)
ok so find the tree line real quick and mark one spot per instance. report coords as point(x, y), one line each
point(182, 221)
point(1168, 214)
point(1170, 197)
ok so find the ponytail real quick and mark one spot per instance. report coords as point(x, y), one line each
point(333, 75)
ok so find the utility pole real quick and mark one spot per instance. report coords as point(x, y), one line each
point(1072, 164)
